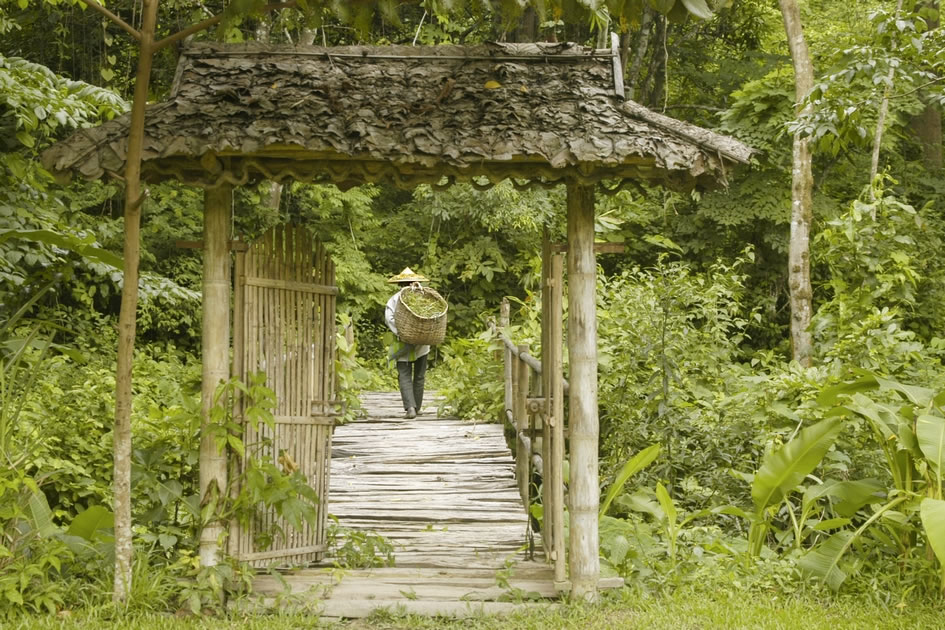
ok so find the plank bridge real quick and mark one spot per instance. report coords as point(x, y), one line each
point(444, 493)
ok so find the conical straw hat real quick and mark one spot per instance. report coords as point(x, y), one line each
point(407, 275)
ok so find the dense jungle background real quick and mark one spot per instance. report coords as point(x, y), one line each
point(769, 476)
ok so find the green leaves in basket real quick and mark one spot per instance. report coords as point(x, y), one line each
point(423, 304)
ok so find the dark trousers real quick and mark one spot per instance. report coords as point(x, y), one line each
point(410, 377)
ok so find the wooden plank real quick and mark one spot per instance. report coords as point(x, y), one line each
point(280, 553)
point(235, 246)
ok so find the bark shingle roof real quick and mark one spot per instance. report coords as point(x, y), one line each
point(539, 112)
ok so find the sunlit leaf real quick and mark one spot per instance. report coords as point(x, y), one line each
point(783, 469)
point(635, 464)
point(932, 513)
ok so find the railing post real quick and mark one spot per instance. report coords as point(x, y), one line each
point(555, 365)
point(550, 515)
point(520, 413)
point(506, 356)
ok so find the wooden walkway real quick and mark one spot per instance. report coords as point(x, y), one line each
point(443, 492)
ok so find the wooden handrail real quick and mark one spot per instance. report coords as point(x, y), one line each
point(529, 360)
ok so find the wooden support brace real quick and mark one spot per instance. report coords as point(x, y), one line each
point(235, 246)
point(599, 248)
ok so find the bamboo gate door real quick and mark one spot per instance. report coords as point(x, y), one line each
point(284, 325)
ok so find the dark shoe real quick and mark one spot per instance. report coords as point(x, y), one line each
point(411, 413)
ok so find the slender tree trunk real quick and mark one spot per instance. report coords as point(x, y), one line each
point(127, 317)
point(881, 121)
point(653, 88)
point(584, 496)
point(639, 52)
point(802, 182)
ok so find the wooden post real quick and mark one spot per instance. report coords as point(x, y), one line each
point(216, 353)
point(582, 350)
point(507, 357)
point(556, 365)
point(547, 500)
point(520, 413)
point(127, 317)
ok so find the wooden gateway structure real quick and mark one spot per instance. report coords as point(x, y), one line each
point(536, 114)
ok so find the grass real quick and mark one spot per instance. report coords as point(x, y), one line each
point(688, 608)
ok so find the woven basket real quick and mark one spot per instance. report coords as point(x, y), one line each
point(417, 330)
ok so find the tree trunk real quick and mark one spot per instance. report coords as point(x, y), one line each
point(216, 356)
point(127, 317)
point(584, 429)
point(656, 72)
point(801, 195)
point(639, 52)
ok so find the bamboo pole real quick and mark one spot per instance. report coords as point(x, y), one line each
point(127, 317)
point(506, 354)
point(520, 413)
point(582, 350)
point(216, 353)
point(556, 361)
point(547, 498)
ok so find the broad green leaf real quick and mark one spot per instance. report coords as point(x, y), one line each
point(666, 502)
point(830, 523)
point(87, 523)
point(932, 512)
point(641, 502)
point(930, 432)
point(823, 561)
point(42, 515)
point(634, 465)
point(883, 419)
point(698, 8)
point(849, 496)
point(828, 397)
point(919, 396)
point(783, 469)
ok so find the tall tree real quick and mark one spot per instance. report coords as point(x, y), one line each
point(802, 182)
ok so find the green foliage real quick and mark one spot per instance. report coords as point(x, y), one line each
point(351, 374)
point(895, 58)
point(265, 482)
point(634, 465)
point(469, 378)
point(783, 469)
point(881, 286)
point(37, 102)
point(357, 549)
point(678, 384)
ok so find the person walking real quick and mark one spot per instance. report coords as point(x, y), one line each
point(411, 359)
